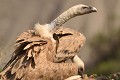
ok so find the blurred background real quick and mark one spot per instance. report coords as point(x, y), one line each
point(101, 52)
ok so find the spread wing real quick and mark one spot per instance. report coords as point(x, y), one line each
point(28, 46)
point(70, 42)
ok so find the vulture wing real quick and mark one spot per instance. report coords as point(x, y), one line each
point(70, 42)
point(28, 46)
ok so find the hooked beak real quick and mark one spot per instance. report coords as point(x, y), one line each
point(94, 9)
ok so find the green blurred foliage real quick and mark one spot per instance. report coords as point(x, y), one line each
point(107, 50)
point(0, 69)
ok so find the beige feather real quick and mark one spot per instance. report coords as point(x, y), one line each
point(29, 54)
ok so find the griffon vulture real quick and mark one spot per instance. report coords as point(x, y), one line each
point(41, 53)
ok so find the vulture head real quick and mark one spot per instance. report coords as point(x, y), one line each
point(83, 9)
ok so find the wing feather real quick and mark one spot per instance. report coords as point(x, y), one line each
point(28, 46)
point(70, 42)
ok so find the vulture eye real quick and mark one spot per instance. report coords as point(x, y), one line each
point(85, 7)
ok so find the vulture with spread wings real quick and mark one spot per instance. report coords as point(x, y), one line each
point(42, 53)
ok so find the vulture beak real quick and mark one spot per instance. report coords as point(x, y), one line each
point(93, 9)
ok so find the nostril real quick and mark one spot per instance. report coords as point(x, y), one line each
point(90, 7)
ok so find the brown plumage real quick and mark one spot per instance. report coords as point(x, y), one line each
point(36, 56)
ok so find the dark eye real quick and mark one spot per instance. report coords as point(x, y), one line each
point(84, 7)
